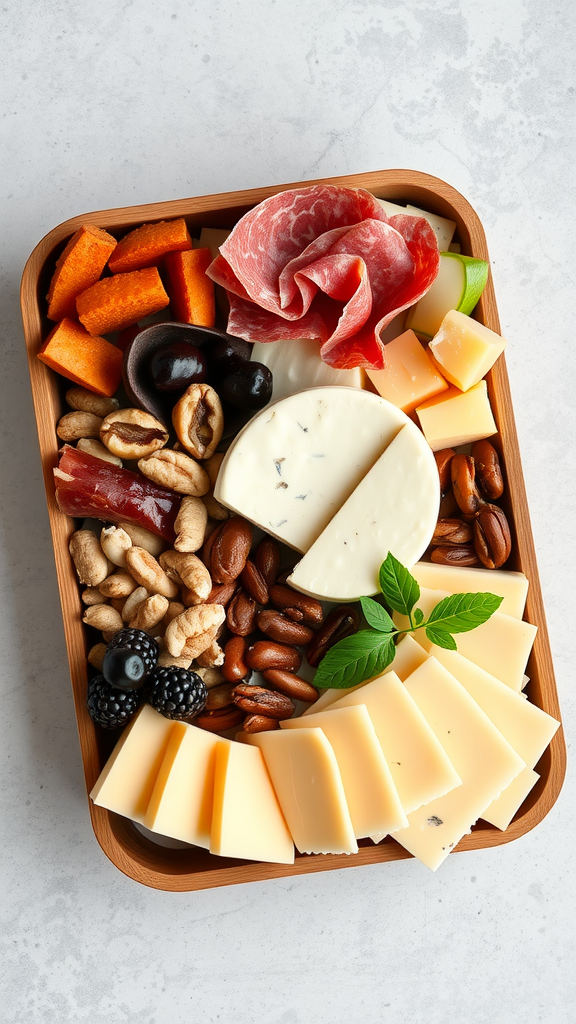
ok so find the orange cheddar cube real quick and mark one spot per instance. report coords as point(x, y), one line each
point(145, 246)
point(79, 267)
point(191, 291)
point(410, 376)
point(119, 301)
point(91, 361)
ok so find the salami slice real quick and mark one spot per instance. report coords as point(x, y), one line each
point(325, 262)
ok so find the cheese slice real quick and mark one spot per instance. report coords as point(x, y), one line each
point(443, 227)
point(484, 760)
point(181, 801)
point(126, 782)
point(246, 819)
point(371, 795)
point(457, 579)
point(501, 811)
point(296, 462)
point(308, 784)
point(296, 365)
point(394, 508)
point(419, 765)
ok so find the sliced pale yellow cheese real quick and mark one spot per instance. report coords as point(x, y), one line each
point(456, 417)
point(420, 767)
point(410, 376)
point(457, 579)
point(464, 349)
point(394, 508)
point(308, 784)
point(484, 760)
point(126, 782)
point(212, 238)
point(181, 802)
point(371, 795)
point(501, 811)
point(246, 818)
point(443, 227)
point(296, 365)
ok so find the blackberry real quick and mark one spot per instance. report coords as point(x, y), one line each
point(109, 707)
point(139, 642)
point(176, 693)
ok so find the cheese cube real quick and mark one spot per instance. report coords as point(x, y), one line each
point(246, 819)
point(484, 760)
point(296, 365)
point(308, 784)
point(371, 795)
point(456, 417)
point(456, 579)
point(464, 349)
point(410, 376)
point(181, 802)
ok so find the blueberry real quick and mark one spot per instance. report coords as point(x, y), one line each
point(249, 386)
point(124, 669)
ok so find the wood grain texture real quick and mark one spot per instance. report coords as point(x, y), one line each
point(191, 869)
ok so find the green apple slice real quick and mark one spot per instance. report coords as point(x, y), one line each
point(460, 283)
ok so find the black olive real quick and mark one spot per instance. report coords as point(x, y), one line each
point(176, 365)
point(249, 386)
point(227, 354)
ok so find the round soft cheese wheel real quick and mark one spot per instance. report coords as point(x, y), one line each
point(294, 465)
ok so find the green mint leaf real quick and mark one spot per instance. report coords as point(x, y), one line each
point(376, 616)
point(399, 588)
point(441, 638)
point(358, 657)
point(418, 616)
point(460, 613)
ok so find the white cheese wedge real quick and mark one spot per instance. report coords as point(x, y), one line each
point(181, 801)
point(127, 780)
point(484, 760)
point(371, 795)
point(419, 765)
point(394, 508)
point(295, 463)
point(246, 819)
point(296, 365)
point(308, 784)
point(456, 579)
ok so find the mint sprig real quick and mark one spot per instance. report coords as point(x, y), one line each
point(369, 652)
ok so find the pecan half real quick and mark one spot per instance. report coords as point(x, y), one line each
point(220, 720)
point(229, 550)
point(462, 554)
point(258, 701)
point(340, 623)
point(132, 433)
point(265, 654)
point(492, 538)
point(286, 631)
point(290, 685)
point(488, 469)
point(198, 420)
point(464, 484)
point(306, 609)
point(176, 471)
point(235, 668)
point(254, 583)
point(443, 462)
point(452, 531)
point(259, 723)
point(194, 630)
point(241, 614)
point(267, 560)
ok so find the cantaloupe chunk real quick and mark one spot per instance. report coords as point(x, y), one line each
point(82, 357)
point(146, 245)
point(79, 267)
point(191, 291)
point(119, 301)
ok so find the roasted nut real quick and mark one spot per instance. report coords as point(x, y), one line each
point(190, 525)
point(118, 603)
point(176, 471)
point(260, 723)
point(149, 573)
point(86, 401)
point(213, 507)
point(265, 654)
point(448, 506)
point(488, 470)
point(174, 608)
point(235, 668)
point(230, 549)
point(258, 701)
point(209, 542)
point(142, 538)
point(89, 560)
point(254, 583)
point(307, 609)
point(75, 425)
point(492, 538)
point(97, 450)
point(222, 593)
point(219, 697)
point(95, 656)
point(241, 614)
point(150, 613)
point(104, 618)
point(267, 560)
point(463, 554)
point(115, 542)
point(186, 570)
point(118, 584)
point(278, 627)
point(340, 623)
point(133, 602)
point(194, 630)
point(220, 720)
point(198, 420)
point(132, 433)
point(210, 676)
point(166, 660)
point(93, 595)
point(290, 685)
point(443, 463)
point(212, 657)
point(464, 484)
point(452, 531)
point(212, 467)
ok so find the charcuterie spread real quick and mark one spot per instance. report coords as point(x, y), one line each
point(302, 630)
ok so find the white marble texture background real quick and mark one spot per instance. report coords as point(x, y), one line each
point(114, 103)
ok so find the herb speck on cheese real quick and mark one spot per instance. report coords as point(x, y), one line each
point(434, 820)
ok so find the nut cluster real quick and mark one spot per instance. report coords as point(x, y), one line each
point(471, 530)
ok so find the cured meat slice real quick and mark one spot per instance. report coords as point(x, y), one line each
point(325, 262)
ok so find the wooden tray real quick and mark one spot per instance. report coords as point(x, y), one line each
point(192, 868)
